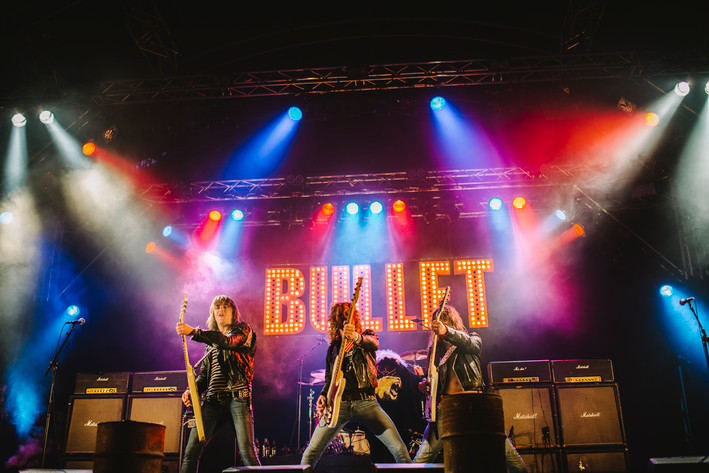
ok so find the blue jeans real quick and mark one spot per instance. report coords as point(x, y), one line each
point(432, 444)
point(239, 409)
point(370, 413)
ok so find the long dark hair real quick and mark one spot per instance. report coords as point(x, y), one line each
point(338, 317)
point(452, 319)
point(219, 300)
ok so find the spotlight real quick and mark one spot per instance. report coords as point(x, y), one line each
point(578, 228)
point(666, 290)
point(237, 214)
point(495, 203)
point(46, 117)
point(89, 148)
point(706, 88)
point(72, 310)
point(437, 103)
point(560, 214)
point(167, 230)
point(6, 217)
point(295, 113)
point(682, 88)
point(215, 215)
point(376, 207)
point(652, 119)
point(398, 206)
point(519, 202)
point(150, 247)
point(328, 208)
point(19, 120)
point(352, 208)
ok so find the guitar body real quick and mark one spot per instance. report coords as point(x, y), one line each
point(337, 385)
point(432, 399)
point(194, 394)
point(430, 406)
point(334, 400)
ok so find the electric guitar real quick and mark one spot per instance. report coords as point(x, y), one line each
point(430, 407)
point(337, 384)
point(194, 394)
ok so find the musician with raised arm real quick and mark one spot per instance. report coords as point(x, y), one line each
point(457, 358)
point(226, 376)
point(357, 401)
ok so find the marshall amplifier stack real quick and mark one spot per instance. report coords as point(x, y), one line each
point(562, 415)
point(153, 397)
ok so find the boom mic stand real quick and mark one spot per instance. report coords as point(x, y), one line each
point(703, 334)
point(53, 365)
point(301, 359)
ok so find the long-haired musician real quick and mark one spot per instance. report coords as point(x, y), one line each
point(458, 360)
point(225, 378)
point(358, 400)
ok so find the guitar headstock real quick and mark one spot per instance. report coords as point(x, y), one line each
point(183, 309)
point(358, 286)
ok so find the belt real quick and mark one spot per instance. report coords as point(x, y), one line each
point(238, 394)
point(358, 397)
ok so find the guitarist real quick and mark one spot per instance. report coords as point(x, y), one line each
point(358, 403)
point(225, 377)
point(458, 359)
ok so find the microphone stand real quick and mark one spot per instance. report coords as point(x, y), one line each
point(300, 359)
point(703, 334)
point(53, 365)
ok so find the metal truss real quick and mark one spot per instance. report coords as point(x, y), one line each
point(380, 184)
point(393, 76)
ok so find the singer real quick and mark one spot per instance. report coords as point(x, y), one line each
point(458, 359)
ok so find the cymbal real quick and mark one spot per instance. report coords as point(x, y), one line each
point(312, 382)
point(318, 375)
point(414, 355)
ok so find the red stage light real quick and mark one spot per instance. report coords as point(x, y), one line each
point(150, 247)
point(89, 148)
point(519, 202)
point(328, 209)
point(398, 206)
point(215, 215)
point(578, 229)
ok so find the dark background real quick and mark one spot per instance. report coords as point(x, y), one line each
point(603, 300)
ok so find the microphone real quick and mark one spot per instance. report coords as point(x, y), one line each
point(684, 301)
point(75, 322)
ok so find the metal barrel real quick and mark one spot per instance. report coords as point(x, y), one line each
point(473, 432)
point(129, 446)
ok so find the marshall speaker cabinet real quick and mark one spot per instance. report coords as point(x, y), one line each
point(86, 412)
point(590, 415)
point(529, 415)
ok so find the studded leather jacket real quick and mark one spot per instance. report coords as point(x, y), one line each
point(236, 355)
point(364, 361)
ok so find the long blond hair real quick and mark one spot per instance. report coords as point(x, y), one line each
point(338, 317)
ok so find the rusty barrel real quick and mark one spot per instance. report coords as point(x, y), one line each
point(473, 432)
point(129, 446)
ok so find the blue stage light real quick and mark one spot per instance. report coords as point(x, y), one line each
point(438, 103)
point(6, 217)
point(352, 208)
point(376, 207)
point(237, 214)
point(495, 203)
point(167, 231)
point(560, 214)
point(295, 113)
point(72, 310)
point(666, 290)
